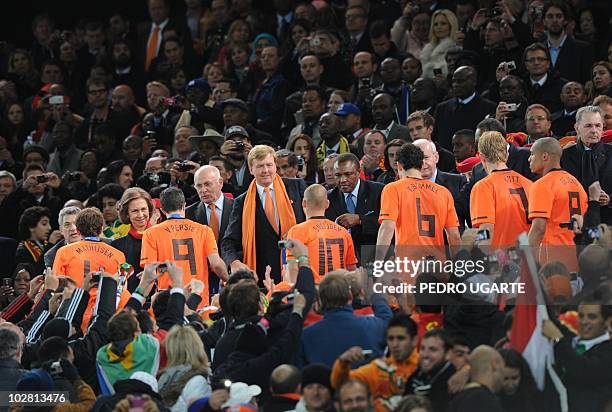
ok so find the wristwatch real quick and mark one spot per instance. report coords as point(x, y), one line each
point(556, 340)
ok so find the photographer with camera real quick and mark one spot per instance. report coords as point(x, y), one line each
point(512, 106)
point(235, 149)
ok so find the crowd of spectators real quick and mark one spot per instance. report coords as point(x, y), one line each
point(191, 205)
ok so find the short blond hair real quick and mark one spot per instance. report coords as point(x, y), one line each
point(259, 152)
point(493, 147)
point(184, 347)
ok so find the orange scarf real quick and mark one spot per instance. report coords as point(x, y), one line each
point(285, 214)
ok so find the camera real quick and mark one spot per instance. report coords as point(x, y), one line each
point(537, 11)
point(593, 233)
point(42, 179)
point(509, 66)
point(184, 166)
point(95, 276)
point(73, 177)
point(437, 71)
point(162, 268)
point(239, 146)
point(364, 82)
point(7, 282)
point(57, 100)
point(155, 179)
point(151, 134)
point(55, 368)
point(511, 107)
point(284, 243)
point(482, 235)
point(301, 160)
point(494, 12)
point(315, 41)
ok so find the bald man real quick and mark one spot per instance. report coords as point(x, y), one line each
point(554, 198)
point(285, 381)
point(330, 245)
point(212, 210)
point(464, 111)
point(486, 379)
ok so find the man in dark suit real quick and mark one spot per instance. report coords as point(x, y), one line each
point(571, 58)
point(235, 149)
point(213, 209)
point(518, 160)
point(429, 171)
point(265, 217)
point(542, 85)
point(384, 114)
point(573, 97)
point(463, 111)
point(149, 35)
point(589, 159)
point(356, 21)
point(355, 204)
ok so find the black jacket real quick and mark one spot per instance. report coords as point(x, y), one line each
point(454, 182)
point(437, 380)
point(368, 209)
point(227, 343)
point(575, 60)
point(587, 377)
point(197, 213)
point(562, 124)
point(451, 116)
point(131, 247)
point(548, 94)
point(266, 238)
point(589, 166)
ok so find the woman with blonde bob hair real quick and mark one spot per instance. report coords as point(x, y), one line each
point(186, 376)
point(442, 36)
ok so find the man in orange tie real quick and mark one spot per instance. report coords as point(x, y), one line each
point(212, 210)
point(262, 216)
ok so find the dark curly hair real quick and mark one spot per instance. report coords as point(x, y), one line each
point(410, 157)
point(30, 218)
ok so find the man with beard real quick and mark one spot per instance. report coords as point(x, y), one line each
point(124, 70)
point(354, 396)
point(589, 159)
point(431, 379)
point(573, 97)
point(402, 358)
point(570, 57)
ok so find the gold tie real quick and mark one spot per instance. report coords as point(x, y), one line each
point(152, 49)
point(214, 220)
point(269, 209)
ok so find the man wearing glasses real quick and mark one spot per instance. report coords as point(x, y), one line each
point(542, 86)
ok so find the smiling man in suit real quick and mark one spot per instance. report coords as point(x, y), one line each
point(262, 216)
point(355, 203)
point(212, 210)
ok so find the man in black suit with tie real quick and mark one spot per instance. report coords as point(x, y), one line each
point(213, 209)
point(262, 216)
point(573, 97)
point(149, 35)
point(355, 204)
point(463, 111)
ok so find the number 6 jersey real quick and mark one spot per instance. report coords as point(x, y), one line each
point(421, 210)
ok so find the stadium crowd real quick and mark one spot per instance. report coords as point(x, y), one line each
point(191, 206)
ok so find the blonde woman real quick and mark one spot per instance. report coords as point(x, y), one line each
point(442, 36)
point(186, 376)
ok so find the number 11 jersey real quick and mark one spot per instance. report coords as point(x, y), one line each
point(183, 241)
point(421, 210)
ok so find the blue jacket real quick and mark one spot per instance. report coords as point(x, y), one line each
point(341, 329)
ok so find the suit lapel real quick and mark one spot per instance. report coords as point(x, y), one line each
point(341, 203)
point(227, 210)
point(361, 198)
point(200, 214)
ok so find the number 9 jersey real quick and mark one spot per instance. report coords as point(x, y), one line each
point(183, 241)
point(421, 210)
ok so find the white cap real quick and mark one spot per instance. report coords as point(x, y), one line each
point(147, 378)
point(241, 393)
